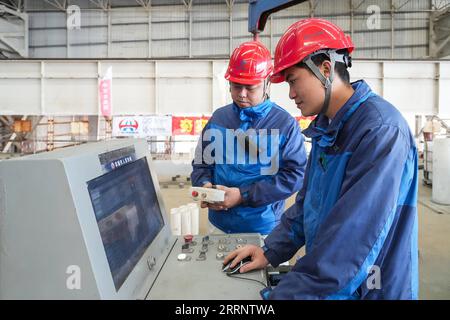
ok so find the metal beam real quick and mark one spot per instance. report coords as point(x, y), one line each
point(11, 139)
point(5, 121)
point(260, 10)
point(271, 36)
point(230, 4)
point(392, 29)
point(67, 35)
point(11, 41)
point(227, 37)
point(8, 5)
point(405, 3)
point(109, 36)
point(146, 4)
point(149, 5)
point(102, 4)
point(439, 40)
point(188, 4)
point(55, 3)
point(352, 14)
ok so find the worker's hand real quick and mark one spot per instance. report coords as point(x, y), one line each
point(232, 197)
point(202, 203)
point(256, 253)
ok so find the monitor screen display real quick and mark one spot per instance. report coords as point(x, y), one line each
point(128, 215)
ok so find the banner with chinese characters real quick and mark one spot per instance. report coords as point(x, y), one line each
point(188, 125)
point(105, 93)
point(142, 126)
point(304, 122)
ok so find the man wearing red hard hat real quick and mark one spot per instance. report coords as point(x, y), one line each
point(255, 189)
point(356, 213)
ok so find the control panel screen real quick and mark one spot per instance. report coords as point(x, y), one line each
point(128, 215)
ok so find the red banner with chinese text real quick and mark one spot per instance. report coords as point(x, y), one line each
point(188, 125)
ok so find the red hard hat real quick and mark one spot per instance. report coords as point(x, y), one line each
point(250, 63)
point(305, 37)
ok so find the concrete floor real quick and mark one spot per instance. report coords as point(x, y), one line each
point(434, 246)
point(434, 238)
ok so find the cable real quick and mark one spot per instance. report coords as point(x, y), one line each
point(260, 282)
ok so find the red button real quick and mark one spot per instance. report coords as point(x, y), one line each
point(194, 193)
point(188, 238)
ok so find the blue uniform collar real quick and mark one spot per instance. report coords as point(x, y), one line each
point(325, 133)
point(247, 115)
point(255, 112)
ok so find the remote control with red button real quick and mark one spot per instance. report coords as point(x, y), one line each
point(210, 195)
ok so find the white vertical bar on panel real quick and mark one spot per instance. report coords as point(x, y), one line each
point(67, 37)
point(271, 34)
point(42, 91)
point(99, 76)
point(381, 66)
point(230, 10)
point(212, 86)
point(444, 93)
point(26, 40)
point(436, 104)
point(352, 13)
point(156, 87)
point(311, 8)
point(188, 5)
point(149, 29)
point(230, 5)
point(190, 33)
point(392, 28)
point(109, 33)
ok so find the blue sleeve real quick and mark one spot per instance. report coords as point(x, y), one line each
point(202, 169)
point(350, 238)
point(288, 236)
point(287, 180)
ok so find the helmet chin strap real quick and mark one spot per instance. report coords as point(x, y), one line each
point(327, 82)
point(266, 88)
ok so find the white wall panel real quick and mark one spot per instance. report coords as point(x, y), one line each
point(279, 93)
point(221, 88)
point(64, 96)
point(73, 69)
point(410, 86)
point(129, 69)
point(133, 94)
point(174, 69)
point(444, 89)
point(184, 96)
point(195, 87)
point(20, 69)
point(19, 96)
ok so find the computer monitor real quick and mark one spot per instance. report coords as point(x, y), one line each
point(85, 222)
point(128, 215)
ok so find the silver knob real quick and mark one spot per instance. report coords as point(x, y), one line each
point(151, 262)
